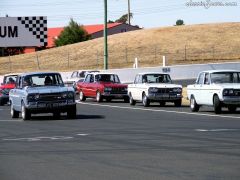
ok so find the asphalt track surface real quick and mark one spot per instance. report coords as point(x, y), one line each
point(116, 141)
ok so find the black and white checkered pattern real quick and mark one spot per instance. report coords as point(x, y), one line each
point(38, 26)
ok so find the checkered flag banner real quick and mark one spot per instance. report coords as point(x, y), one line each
point(37, 25)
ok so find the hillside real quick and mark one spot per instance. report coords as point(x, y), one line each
point(180, 44)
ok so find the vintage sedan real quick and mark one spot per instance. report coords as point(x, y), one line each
point(217, 88)
point(7, 84)
point(41, 93)
point(102, 86)
point(154, 87)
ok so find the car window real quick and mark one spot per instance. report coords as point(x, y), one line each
point(10, 79)
point(200, 78)
point(136, 79)
point(87, 80)
point(113, 78)
point(156, 78)
point(225, 77)
point(207, 79)
point(91, 78)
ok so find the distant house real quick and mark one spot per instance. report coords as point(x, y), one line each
point(95, 31)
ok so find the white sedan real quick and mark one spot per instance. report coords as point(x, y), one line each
point(154, 87)
point(217, 88)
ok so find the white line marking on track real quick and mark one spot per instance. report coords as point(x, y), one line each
point(82, 134)
point(160, 110)
point(215, 130)
point(11, 120)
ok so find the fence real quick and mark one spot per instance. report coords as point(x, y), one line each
point(62, 59)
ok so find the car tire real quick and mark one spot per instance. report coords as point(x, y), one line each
point(99, 97)
point(217, 104)
point(56, 115)
point(178, 103)
point(72, 112)
point(232, 109)
point(126, 99)
point(193, 105)
point(108, 99)
point(145, 100)
point(132, 102)
point(162, 103)
point(14, 114)
point(1, 102)
point(81, 96)
point(26, 114)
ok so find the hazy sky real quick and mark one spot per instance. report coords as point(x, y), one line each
point(146, 13)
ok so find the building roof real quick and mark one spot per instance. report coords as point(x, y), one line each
point(53, 33)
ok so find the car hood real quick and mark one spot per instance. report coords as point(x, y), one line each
point(112, 85)
point(163, 85)
point(48, 89)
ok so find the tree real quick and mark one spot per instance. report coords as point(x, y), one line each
point(73, 33)
point(124, 18)
point(179, 22)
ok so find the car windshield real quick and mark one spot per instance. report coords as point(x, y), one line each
point(107, 78)
point(10, 79)
point(225, 77)
point(156, 78)
point(52, 79)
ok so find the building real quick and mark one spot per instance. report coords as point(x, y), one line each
point(95, 31)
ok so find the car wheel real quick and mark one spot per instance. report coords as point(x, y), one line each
point(131, 100)
point(232, 109)
point(56, 115)
point(193, 105)
point(126, 99)
point(1, 102)
point(81, 96)
point(26, 115)
point(108, 99)
point(162, 103)
point(145, 100)
point(99, 97)
point(14, 114)
point(72, 112)
point(217, 105)
point(178, 103)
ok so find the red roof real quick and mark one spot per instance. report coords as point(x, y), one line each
point(91, 29)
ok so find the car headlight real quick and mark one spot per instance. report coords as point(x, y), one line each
point(33, 97)
point(228, 92)
point(153, 90)
point(107, 89)
point(177, 90)
point(125, 89)
point(70, 95)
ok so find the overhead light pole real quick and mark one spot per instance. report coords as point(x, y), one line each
point(105, 37)
point(129, 13)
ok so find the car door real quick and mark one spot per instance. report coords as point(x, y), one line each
point(85, 85)
point(17, 94)
point(198, 89)
point(207, 91)
point(139, 88)
point(133, 88)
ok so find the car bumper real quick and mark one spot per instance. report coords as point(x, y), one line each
point(164, 97)
point(231, 101)
point(115, 96)
point(62, 106)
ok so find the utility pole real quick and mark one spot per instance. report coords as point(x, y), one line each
point(129, 13)
point(105, 37)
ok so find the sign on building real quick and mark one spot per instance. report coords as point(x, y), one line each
point(23, 31)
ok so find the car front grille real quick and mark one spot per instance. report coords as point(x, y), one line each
point(120, 90)
point(5, 91)
point(165, 90)
point(50, 97)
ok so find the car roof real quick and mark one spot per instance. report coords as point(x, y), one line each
point(221, 70)
point(12, 74)
point(96, 73)
point(143, 73)
point(35, 73)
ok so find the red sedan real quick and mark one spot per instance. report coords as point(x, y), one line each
point(102, 86)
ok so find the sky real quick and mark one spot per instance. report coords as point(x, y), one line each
point(146, 13)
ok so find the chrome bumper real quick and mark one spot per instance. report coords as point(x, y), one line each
point(164, 97)
point(231, 100)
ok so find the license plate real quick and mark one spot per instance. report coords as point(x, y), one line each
point(165, 95)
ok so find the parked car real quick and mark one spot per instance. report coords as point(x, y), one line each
point(7, 84)
point(76, 76)
point(154, 87)
point(102, 86)
point(217, 88)
point(41, 93)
